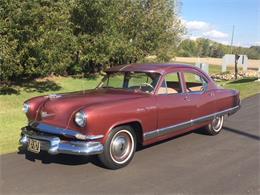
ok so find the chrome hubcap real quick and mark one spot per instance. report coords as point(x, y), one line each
point(217, 123)
point(121, 147)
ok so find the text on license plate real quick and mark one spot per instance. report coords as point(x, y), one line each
point(34, 146)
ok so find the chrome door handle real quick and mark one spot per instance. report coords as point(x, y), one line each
point(211, 94)
point(187, 98)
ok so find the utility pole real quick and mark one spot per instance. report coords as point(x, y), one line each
point(236, 61)
point(232, 39)
point(236, 55)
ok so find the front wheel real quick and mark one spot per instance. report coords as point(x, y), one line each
point(215, 126)
point(119, 148)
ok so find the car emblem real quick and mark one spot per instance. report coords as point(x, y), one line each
point(45, 115)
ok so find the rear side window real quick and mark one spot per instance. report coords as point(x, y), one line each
point(194, 82)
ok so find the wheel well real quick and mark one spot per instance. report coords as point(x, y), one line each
point(137, 127)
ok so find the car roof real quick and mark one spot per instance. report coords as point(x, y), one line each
point(157, 68)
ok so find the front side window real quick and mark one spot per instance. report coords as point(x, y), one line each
point(143, 81)
point(171, 84)
point(194, 82)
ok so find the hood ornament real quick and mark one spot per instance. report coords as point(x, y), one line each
point(54, 96)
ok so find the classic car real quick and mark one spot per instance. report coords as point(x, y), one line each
point(135, 104)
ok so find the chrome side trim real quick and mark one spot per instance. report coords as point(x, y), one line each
point(93, 137)
point(61, 131)
point(54, 145)
point(170, 129)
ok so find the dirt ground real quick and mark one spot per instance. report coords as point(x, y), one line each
point(215, 61)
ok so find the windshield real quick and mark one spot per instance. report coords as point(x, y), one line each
point(145, 82)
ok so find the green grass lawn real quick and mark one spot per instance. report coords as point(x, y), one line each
point(246, 86)
point(11, 99)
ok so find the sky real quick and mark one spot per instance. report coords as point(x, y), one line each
point(214, 19)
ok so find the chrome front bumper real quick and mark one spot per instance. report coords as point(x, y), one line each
point(55, 145)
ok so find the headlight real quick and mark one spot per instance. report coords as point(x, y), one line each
point(26, 107)
point(80, 119)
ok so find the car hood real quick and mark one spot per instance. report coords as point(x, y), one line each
point(59, 109)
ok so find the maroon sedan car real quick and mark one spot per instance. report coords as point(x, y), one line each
point(136, 104)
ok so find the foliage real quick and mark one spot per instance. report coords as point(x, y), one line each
point(36, 39)
point(44, 37)
point(124, 31)
point(207, 48)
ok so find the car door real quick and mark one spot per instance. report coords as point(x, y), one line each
point(199, 94)
point(174, 109)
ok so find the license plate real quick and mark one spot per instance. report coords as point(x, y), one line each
point(34, 146)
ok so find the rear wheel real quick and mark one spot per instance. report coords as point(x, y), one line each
point(119, 148)
point(215, 126)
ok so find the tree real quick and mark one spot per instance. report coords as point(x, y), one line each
point(36, 38)
point(188, 48)
point(119, 32)
point(43, 37)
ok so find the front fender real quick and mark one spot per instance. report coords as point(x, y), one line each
point(123, 122)
point(102, 119)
